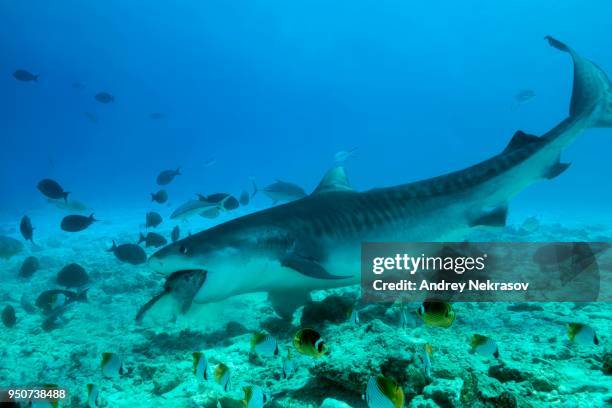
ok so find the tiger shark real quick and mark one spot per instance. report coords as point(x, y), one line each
point(315, 242)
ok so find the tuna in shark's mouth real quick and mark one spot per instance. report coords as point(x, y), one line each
point(181, 286)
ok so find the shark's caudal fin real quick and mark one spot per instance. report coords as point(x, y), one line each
point(592, 91)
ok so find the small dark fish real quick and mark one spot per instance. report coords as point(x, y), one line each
point(29, 266)
point(152, 239)
point(176, 233)
point(50, 300)
point(209, 162)
point(244, 198)
point(104, 97)
point(93, 118)
point(76, 223)
point(27, 231)
point(182, 286)
point(9, 247)
point(26, 304)
point(72, 276)
point(78, 85)
point(8, 316)
point(284, 191)
point(156, 116)
point(166, 176)
point(25, 76)
point(153, 219)
point(211, 213)
point(130, 253)
point(525, 95)
point(160, 197)
point(52, 189)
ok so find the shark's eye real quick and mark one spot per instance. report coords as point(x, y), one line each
point(183, 250)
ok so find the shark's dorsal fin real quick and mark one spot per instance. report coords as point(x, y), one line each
point(334, 180)
point(521, 139)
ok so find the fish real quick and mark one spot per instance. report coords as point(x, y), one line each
point(264, 344)
point(201, 369)
point(26, 229)
point(223, 377)
point(29, 266)
point(69, 205)
point(245, 198)
point(383, 392)
point(283, 191)
point(287, 366)
point(8, 316)
point(254, 397)
point(309, 342)
point(190, 208)
point(160, 197)
point(78, 85)
point(153, 219)
point(436, 313)
point(129, 253)
point(181, 287)
point(582, 334)
point(354, 316)
point(25, 76)
point(344, 155)
point(49, 300)
point(91, 117)
point(152, 239)
point(9, 247)
point(524, 96)
point(77, 222)
point(165, 177)
point(93, 396)
point(423, 357)
point(72, 276)
point(104, 97)
point(175, 235)
point(211, 213)
point(156, 116)
point(211, 161)
point(315, 243)
point(52, 189)
point(111, 365)
point(483, 345)
point(405, 321)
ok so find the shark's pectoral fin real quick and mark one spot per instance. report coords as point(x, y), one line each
point(286, 303)
point(556, 169)
point(493, 218)
point(308, 266)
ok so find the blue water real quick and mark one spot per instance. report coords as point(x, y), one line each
point(272, 90)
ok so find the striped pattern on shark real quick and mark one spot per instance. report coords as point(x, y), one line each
point(314, 242)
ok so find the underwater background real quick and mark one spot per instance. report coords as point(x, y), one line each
point(243, 91)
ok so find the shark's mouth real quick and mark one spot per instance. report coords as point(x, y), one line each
point(182, 286)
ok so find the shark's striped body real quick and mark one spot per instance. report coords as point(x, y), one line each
point(315, 242)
